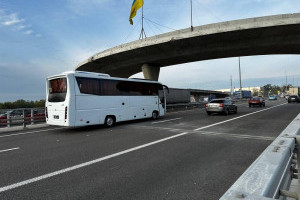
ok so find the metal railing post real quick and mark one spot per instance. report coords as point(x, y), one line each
point(298, 162)
point(8, 119)
point(31, 117)
point(24, 123)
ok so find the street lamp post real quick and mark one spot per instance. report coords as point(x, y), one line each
point(240, 78)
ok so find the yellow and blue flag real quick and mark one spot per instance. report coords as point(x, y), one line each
point(137, 4)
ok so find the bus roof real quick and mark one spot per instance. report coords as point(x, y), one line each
point(98, 75)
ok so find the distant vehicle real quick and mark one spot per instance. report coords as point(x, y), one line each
point(272, 97)
point(3, 118)
point(260, 94)
point(281, 95)
point(16, 113)
point(37, 115)
point(220, 106)
point(256, 101)
point(293, 98)
point(178, 96)
point(245, 94)
point(82, 98)
point(286, 96)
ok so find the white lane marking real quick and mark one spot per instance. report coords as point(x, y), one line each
point(222, 122)
point(5, 150)
point(209, 133)
point(16, 134)
point(257, 137)
point(45, 176)
point(167, 120)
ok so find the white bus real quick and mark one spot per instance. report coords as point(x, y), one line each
point(83, 98)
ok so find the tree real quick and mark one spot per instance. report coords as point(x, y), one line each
point(255, 92)
point(22, 104)
point(285, 88)
point(267, 89)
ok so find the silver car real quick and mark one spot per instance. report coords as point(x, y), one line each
point(220, 106)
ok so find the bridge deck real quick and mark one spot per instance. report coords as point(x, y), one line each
point(277, 34)
point(200, 164)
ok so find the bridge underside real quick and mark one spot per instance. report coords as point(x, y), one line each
point(282, 39)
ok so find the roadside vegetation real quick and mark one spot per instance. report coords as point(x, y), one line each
point(270, 89)
point(22, 104)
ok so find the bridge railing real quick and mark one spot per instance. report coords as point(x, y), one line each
point(270, 175)
point(177, 106)
point(22, 116)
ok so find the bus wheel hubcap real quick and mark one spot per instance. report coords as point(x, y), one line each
point(109, 121)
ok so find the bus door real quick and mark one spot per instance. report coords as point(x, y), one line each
point(162, 99)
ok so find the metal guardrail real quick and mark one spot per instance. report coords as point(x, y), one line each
point(270, 175)
point(22, 116)
point(184, 106)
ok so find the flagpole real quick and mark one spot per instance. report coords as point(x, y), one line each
point(192, 28)
point(142, 31)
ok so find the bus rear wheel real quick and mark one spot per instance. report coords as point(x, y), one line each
point(109, 121)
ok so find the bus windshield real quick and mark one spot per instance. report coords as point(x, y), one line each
point(57, 90)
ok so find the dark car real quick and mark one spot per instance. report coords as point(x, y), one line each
point(293, 98)
point(3, 119)
point(225, 106)
point(256, 101)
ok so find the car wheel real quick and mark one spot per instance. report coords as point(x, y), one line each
point(264, 105)
point(289, 101)
point(154, 115)
point(208, 113)
point(226, 112)
point(235, 111)
point(249, 105)
point(109, 121)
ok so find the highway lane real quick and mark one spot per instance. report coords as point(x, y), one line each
point(198, 165)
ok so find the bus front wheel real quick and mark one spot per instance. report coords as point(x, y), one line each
point(154, 115)
point(109, 121)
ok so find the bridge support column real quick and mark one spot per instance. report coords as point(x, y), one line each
point(151, 72)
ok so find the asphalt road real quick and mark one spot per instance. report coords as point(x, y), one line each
point(184, 155)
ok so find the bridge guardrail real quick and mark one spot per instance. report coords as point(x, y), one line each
point(22, 116)
point(185, 106)
point(270, 175)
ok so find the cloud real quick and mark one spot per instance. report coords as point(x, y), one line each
point(21, 27)
point(13, 20)
point(28, 32)
point(10, 19)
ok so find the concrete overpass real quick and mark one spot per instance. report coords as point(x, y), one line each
point(278, 34)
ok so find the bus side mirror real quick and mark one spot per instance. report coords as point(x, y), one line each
point(166, 87)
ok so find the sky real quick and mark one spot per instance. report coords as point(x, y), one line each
point(40, 38)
